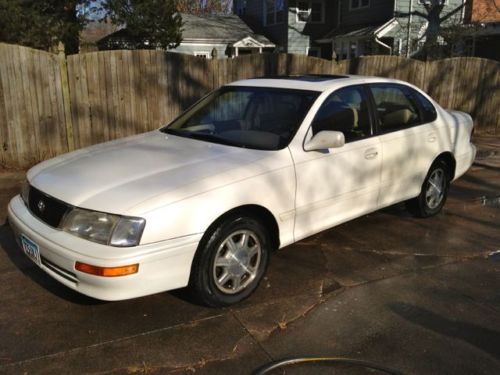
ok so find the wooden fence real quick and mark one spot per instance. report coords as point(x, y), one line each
point(50, 104)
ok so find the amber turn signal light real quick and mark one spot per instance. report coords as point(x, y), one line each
point(107, 271)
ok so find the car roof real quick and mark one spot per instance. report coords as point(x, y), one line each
point(312, 82)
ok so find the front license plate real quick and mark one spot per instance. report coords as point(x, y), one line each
point(31, 249)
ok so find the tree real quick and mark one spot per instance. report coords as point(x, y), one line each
point(435, 25)
point(42, 23)
point(205, 6)
point(150, 23)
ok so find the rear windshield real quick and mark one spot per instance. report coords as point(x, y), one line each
point(250, 117)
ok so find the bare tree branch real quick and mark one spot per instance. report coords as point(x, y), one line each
point(412, 13)
point(453, 12)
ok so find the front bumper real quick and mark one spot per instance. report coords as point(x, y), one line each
point(163, 266)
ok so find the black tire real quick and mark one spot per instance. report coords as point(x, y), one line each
point(423, 205)
point(205, 275)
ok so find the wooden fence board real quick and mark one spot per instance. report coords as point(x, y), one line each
point(487, 99)
point(57, 138)
point(119, 93)
point(5, 153)
point(30, 101)
point(32, 117)
point(9, 144)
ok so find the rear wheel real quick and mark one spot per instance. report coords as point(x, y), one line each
point(434, 191)
point(230, 262)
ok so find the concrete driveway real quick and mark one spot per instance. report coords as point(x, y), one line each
point(418, 295)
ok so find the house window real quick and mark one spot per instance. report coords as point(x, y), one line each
point(312, 11)
point(358, 4)
point(203, 55)
point(274, 12)
point(302, 11)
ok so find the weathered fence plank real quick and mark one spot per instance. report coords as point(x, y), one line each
point(32, 123)
point(118, 93)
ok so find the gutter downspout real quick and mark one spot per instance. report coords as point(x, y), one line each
point(339, 10)
point(409, 30)
point(377, 40)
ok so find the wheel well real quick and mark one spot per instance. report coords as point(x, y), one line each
point(449, 159)
point(258, 212)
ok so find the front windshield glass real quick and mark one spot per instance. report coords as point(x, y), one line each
point(251, 117)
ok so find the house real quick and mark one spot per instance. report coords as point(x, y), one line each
point(393, 27)
point(482, 22)
point(344, 28)
point(93, 32)
point(205, 36)
point(292, 25)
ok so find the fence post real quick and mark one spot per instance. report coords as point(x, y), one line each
point(63, 68)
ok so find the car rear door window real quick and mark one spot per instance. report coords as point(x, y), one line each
point(396, 107)
point(429, 113)
point(345, 110)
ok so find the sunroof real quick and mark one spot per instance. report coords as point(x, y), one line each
point(308, 77)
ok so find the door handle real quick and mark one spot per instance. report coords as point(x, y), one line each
point(431, 137)
point(371, 154)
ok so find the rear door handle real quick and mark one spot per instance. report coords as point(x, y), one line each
point(431, 137)
point(371, 153)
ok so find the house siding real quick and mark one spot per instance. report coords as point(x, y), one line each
point(254, 17)
point(302, 35)
point(290, 35)
point(379, 11)
point(404, 6)
point(191, 49)
point(418, 24)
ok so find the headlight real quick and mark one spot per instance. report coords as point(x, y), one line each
point(25, 191)
point(127, 232)
point(103, 228)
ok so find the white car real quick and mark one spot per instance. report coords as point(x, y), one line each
point(254, 166)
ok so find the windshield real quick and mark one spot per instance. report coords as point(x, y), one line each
point(251, 117)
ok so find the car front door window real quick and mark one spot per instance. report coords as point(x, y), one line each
point(346, 110)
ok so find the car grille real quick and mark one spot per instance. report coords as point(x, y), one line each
point(48, 209)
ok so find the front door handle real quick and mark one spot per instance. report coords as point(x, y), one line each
point(371, 153)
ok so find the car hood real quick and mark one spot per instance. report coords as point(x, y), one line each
point(116, 176)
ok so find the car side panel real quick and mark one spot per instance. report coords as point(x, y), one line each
point(273, 190)
point(407, 156)
point(460, 126)
point(336, 185)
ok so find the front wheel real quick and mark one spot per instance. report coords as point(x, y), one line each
point(230, 262)
point(434, 192)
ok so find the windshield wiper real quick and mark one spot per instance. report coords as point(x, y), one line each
point(202, 137)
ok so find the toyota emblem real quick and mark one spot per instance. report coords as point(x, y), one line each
point(41, 205)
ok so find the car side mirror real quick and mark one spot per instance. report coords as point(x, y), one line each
point(325, 139)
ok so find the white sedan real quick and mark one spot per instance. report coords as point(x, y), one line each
point(254, 166)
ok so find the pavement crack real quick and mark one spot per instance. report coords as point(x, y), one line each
point(253, 338)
